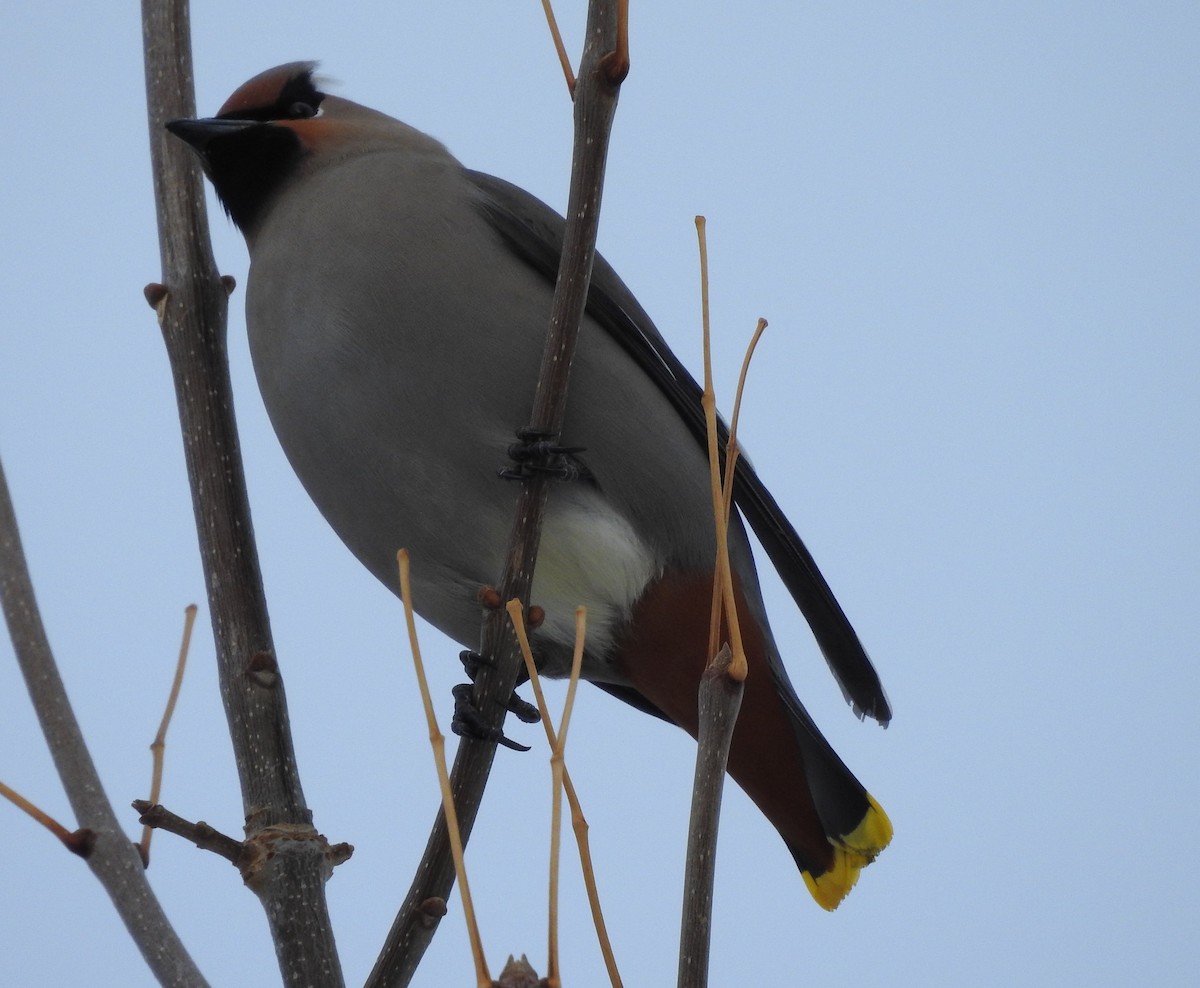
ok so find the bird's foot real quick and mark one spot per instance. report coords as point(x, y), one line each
point(468, 722)
point(536, 452)
point(524, 710)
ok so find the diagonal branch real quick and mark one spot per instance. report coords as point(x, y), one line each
point(595, 106)
point(114, 860)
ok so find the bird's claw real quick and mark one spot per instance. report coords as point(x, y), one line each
point(536, 452)
point(522, 708)
point(524, 711)
point(468, 723)
point(472, 661)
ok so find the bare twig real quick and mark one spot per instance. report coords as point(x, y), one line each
point(437, 742)
point(595, 106)
point(253, 856)
point(720, 510)
point(732, 451)
point(159, 744)
point(723, 681)
point(616, 62)
point(78, 842)
point(192, 314)
point(558, 770)
point(156, 817)
point(113, 859)
point(559, 48)
point(579, 823)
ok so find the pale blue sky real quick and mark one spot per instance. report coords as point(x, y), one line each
point(973, 228)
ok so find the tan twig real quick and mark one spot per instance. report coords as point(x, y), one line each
point(579, 822)
point(732, 452)
point(616, 62)
point(724, 576)
point(437, 742)
point(723, 681)
point(158, 745)
point(78, 842)
point(563, 58)
point(732, 449)
point(557, 768)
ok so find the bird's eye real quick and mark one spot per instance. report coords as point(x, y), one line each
point(301, 111)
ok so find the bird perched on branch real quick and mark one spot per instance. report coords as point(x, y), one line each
point(397, 305)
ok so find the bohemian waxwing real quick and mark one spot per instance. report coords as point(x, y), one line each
point(397, 305)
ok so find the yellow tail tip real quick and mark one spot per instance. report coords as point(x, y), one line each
point(873, 833)
point(851, 854)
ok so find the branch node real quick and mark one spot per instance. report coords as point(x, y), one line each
point(431, 911)
point(81, 842)
point(263, 670)
point(489, 598)
point(156, 295)
point(339, 853)
point(519, 973)
point(615, 67)
point(285, 838)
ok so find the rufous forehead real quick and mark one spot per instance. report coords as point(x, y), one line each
point(265, 89)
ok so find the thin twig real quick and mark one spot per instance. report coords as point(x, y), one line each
point(563, 59)
point(78, 842)
point(437, 741)
point(156, 817)
point(616, 62)
point(723, 576)
point(159, 744)
point(579, 822)
point(732, 452)
point(557, 771)
point(723, 680)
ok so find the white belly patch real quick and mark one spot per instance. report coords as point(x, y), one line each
point(589, 555)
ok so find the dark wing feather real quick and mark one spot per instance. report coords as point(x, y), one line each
point(535, 232)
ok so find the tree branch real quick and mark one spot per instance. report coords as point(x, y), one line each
point(113, 858)
point(720, 701)
point(192, 315)
point(595, 106)
point(206, 838)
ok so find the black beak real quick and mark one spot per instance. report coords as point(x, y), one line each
point(201, 133)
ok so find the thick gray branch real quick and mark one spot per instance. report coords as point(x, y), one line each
point(192, 313)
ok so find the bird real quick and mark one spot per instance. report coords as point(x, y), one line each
point(396, 307)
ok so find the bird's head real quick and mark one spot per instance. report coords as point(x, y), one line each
point(259, 137)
